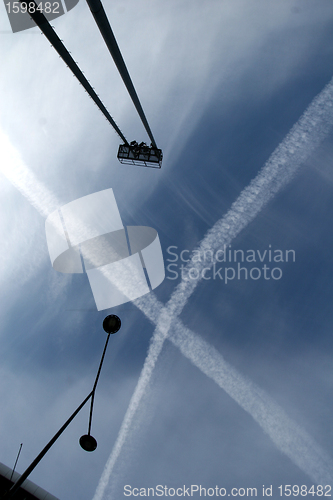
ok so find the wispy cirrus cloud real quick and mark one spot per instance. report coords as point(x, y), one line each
point(309, 131)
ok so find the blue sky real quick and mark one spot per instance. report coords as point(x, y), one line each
point(222, 84)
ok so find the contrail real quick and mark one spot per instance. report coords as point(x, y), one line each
point(45, 202)
point(303, 138)
point(13, 167)
point(288, 437)
point(307, 133)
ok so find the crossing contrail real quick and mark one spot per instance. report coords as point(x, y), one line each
point(13, 167)
point(304, 137)
point(307, 133)
point(288, 436)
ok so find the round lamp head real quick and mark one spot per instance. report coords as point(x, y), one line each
point(88, 443)
point(111, 323)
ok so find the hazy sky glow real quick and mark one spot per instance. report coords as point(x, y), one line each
point(236, 388)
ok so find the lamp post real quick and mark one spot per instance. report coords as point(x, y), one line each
point(111, 325)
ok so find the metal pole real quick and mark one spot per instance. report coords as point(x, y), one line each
point(53, 38)
point(16, 462)
point(95, 384)
point(11, 492)
point(103, 24)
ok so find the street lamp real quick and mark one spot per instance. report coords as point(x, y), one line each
point(111, 324)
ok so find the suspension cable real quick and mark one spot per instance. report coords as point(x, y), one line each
point(103, 24)
point(53, 38)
